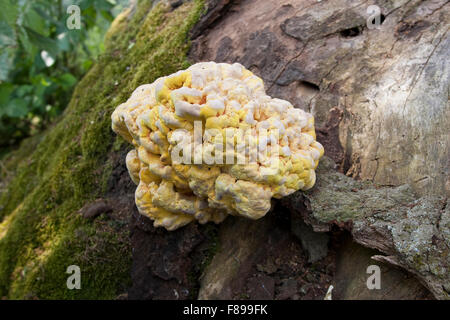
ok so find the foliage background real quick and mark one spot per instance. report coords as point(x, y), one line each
point(41, 60)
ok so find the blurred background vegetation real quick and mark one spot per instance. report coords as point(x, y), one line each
point(41, 60)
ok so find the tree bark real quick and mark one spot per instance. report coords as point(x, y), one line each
point(380, 100)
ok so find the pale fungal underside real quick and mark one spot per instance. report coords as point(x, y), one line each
point(271, 145)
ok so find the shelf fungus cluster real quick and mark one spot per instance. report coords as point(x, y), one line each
point(209, 142)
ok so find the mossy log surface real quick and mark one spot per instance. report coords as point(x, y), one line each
point(380, 99)
point(411, 232)
point(52, 176)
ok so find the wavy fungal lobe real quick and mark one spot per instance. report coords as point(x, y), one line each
point(210, 142)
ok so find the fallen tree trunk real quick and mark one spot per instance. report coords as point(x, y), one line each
point(412, 232)
point(380, 99)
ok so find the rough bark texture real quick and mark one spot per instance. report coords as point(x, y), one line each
point(355, 259)
point(391, 83)
point(413, 233)
point(380, 99)
point(263, 260)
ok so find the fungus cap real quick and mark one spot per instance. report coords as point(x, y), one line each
point(210, 142)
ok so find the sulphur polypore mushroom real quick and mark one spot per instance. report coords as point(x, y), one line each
point(209, 142)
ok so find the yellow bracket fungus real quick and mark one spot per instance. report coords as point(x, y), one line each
point(209, 142)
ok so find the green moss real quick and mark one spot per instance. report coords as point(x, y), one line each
point(54, 175)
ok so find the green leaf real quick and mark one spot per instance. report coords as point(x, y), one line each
point(84, 4)
point(35, 22)
point(87, 64)
point(42, 42)
point(102, 5)
point(47, 17)
point(89, 16)
point(39, 94)
point(6, 62)
point(45, 82)
point(7, 36)
point(25, 42)
point(38, 65)
point(9, 11)
point(63, 42)
point(24, 90)
point(107, 15)
point(6, 89)
point(17, 108)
